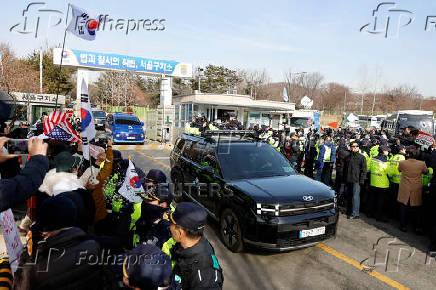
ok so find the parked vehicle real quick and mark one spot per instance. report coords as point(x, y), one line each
point(99, 119)
point(126, 128)
point(421, 120)
point(252, 191)
point(306, 119)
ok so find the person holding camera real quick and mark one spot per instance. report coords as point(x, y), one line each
point(19, 188)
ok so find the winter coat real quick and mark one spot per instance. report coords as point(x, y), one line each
point(355, 168)
point(82, 198)
point(322, 150)
point(293, 150)
point(431, 162)
point(62, 263)
point(343, 153)
point(411, 184)
point(68, 185)
point(25, 184)
point(58, 182)
point(97, 193)
point(197, 266)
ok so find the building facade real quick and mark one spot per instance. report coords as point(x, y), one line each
point(249, 112)
point(32, 105)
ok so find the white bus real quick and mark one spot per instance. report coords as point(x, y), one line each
point(399, 120)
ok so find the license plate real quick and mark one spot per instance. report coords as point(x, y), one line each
point(130, 138)
point(312, 232)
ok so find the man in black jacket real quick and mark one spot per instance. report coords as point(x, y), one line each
point(342, 153)
point(196, 266)
point(354, 176)
point(65, 257)
point(26, 183)
point(431, 162)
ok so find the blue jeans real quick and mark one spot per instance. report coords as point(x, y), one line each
point(318, 174)
point(355, 191)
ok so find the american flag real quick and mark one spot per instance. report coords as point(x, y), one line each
point(56, 126)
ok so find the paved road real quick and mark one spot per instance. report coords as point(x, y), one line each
point(341, 263)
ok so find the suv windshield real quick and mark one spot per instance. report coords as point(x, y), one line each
point(240, 161)
point(99, 114)
point(304, 122)
point(128, 121)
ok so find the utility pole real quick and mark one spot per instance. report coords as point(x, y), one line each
point(40, 71)
point(375, 91)
point(345, 99)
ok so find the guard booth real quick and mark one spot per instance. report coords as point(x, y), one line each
point(151, 125)
point(32, 105)
point(86, 61)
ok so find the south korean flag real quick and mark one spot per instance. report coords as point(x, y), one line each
point(83, 24)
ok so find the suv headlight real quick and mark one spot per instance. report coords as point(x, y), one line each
point(118, 135)
point(267, 209)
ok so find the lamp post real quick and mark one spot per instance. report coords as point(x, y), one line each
point(200, 74)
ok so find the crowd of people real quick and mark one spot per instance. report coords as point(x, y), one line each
point(86, 229)
point(101, 223)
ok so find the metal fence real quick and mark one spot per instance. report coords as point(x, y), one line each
point(146, 115)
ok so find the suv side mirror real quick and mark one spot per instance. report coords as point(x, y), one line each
point(142, 123)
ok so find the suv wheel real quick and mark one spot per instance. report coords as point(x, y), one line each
point(177, 179)
point(230, 230)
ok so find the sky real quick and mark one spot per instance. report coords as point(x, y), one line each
point(279, 36)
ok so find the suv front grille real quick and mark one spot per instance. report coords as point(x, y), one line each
point(305, 208)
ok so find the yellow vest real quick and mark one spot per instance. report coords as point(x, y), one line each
point(379, 177)
point(136, 214)
point(394, 162)
point(327, 154)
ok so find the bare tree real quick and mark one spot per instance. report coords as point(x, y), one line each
point(117, 88)
point(254, 82)
point(300, 84)
point(363, 85)
point(16, 75)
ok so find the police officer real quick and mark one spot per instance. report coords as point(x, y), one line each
point(151, 227)
point(196, 266)
point(379, 182)
point(395, 176)
point(326, 159)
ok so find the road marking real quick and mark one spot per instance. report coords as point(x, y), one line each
point(356, 264)
point(153, 159)
point(143, 147)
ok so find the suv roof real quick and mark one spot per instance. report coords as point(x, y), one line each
point(219, 136)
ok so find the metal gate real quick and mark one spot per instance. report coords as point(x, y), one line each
point(151, 125)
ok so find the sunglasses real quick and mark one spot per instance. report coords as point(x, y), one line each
point(355, 146)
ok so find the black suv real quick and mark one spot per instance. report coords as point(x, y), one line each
point(252, 191)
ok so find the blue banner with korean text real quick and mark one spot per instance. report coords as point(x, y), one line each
point(109, 61)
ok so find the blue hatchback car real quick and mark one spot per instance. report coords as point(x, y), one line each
point(127, 128)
